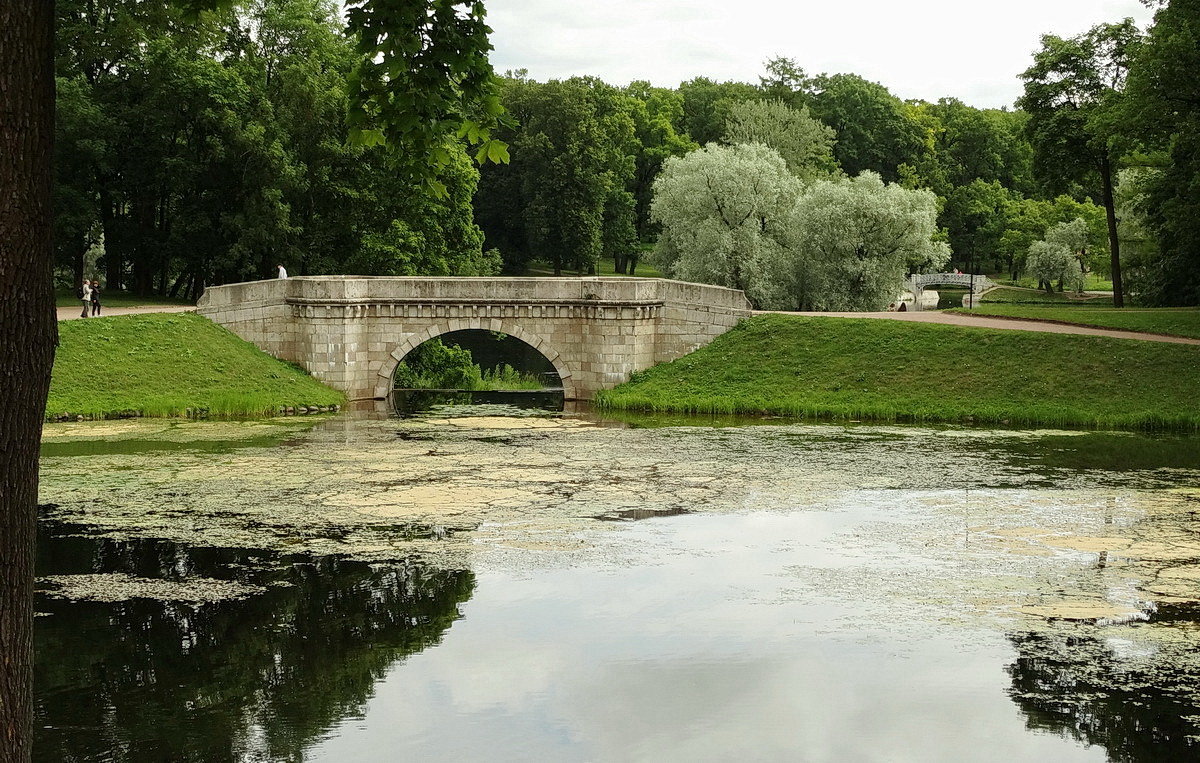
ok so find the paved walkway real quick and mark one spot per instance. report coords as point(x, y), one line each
point(992, 322)
point(71, 313)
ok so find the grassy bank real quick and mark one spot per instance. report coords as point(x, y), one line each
point(1009, 295)
point(895, 371)
point(167, 364)
point(1182, 321)
point(1091, 281)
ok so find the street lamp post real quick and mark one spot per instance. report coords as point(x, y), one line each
point(971, 271)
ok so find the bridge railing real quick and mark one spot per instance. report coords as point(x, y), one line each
point(387, 289)
point(925, 280)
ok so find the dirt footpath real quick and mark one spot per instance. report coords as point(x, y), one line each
point(993, 322)
point(71, 313)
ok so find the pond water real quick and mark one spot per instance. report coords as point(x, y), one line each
point(488, 583)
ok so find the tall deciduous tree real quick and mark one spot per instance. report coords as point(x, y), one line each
point(28, 334)
point(735, 216)
point(706, 105)
point(656, 111)
point(1164, 105)
point(1073, 93)
point(565, 199)
point(210, 151)
point(875, 129)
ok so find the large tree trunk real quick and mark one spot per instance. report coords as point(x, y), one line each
point(28, 333)
point(619, 260)
point(1114, 243)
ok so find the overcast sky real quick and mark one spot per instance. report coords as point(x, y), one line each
point(925, 49)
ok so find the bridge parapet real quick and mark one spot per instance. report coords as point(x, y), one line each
point(921, 281)
point(352, 331)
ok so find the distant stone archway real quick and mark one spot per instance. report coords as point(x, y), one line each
point(388, 372)
point(918, 282)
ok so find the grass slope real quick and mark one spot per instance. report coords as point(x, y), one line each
point(1040, 297)
point(895, 371)
point(1182, 321)
point(164, 364)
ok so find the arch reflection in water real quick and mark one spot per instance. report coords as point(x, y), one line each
point(1077, 684)
point(257, 679)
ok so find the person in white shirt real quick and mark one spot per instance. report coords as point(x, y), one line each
point(282, 272)
point(86, 295)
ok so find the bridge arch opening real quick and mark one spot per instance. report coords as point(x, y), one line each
point(507, 357)
point(477, 357)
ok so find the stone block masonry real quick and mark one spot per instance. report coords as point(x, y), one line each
point(352, 331)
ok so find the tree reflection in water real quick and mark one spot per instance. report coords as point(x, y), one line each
point(1075, 683)
point(255, 679)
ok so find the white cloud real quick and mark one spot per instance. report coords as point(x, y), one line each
point(922, 49)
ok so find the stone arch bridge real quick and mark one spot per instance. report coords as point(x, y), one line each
point(918, 282)
point(352, 331)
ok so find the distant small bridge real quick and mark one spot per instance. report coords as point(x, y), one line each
point(352, 331)
point(977, 284)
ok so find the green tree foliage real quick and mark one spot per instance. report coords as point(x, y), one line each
point(209, 151)
point(1164, 110)
point(1073, 94)
point(1027, 220)
point(421, 79)
point(436, 365)
point(803, 142)
point(1061, 256)
point(566, 197)
point(875, 129)
point(980, 144)
point(656, 112)
point(706, 105)
point(976, 221)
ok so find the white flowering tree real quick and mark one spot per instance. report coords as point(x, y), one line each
point(725, 213)
point(805, 143)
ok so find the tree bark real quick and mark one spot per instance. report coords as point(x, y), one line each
point(28, 334)
point(1114, 243)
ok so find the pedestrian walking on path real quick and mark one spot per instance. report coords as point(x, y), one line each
point(282, 272)
point(95, 299)
point(85, 294)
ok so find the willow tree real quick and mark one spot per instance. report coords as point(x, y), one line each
point(423, 80)
point(725, 213)
point(854, 241)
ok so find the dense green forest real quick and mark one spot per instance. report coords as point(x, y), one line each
point(206, 151)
